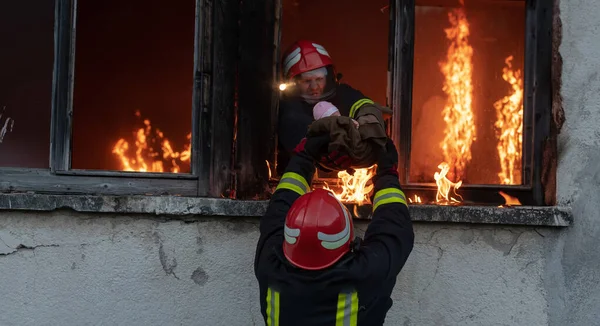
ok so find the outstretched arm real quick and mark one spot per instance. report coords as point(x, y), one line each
point(389, 238)
point(295, 182)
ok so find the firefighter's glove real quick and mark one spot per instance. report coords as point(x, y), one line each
point(387, 162)
point(327, 159)
point(313, 147)
point(336, 159)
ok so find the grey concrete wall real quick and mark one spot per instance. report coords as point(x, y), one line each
point(67, 268)
point(64, 268)
point(572, 277)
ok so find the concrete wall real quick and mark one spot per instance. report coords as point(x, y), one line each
point(65, 268)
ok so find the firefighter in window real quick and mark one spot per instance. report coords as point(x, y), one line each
point(310, 267)
point(311, 98)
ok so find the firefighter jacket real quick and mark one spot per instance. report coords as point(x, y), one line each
point(354, 291)
point(296, 115)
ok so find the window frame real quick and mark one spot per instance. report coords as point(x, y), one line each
point(207, 156)
point(537, 102)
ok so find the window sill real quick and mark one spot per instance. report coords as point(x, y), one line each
point(180, 207)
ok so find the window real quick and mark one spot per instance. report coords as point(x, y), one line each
point(26, 84)
point(356, 37)
point(203, 75)
point(469, 85)
point(133, 85)
point(119, 98)
point(472, 94)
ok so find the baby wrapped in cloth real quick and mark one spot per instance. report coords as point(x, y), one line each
point(362, 138)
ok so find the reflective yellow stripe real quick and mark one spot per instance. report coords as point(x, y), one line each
point(272, 307)
point(358, 104)
point(293, 181)
point(347, 309)
point(387, 196)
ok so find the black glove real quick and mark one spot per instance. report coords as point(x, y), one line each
point(387, 162)
point(317, 148)
point(313, 147)
point(335, 160)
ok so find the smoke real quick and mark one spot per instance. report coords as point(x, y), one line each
point(6, 124)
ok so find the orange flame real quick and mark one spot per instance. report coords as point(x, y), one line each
point(354, 188)
point(416, 200)
point(458, 112)
point(509, 113)
point(268, 168)
point(443, 195)
point(146, 158)
point(509, 200)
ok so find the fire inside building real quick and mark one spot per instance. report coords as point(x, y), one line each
point(456, 74)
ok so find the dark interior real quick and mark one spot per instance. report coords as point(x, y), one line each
point(26, 59)
point(137, 58)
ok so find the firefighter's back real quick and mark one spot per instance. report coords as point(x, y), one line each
point(336, 296)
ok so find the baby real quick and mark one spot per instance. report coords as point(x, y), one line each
point(362, 138)
point(325, 109)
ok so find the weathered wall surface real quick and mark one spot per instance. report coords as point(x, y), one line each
point(113, 270)
point(64, 268)
point(572, 275)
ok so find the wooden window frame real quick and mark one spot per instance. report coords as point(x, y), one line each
point(537, 102)
point(212, 129)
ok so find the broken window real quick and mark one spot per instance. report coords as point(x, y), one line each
point(26, 53)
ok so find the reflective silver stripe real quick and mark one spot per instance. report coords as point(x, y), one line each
point(273, 308)
point(347, 309)
point(390, 195)
point(295, 182)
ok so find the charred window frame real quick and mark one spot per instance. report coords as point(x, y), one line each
point(537, 102)
point(212, 130)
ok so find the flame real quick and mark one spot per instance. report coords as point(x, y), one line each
point(444, 185)
point(268, 168)
point(145, 157)
point(509, 200)
point(354, 188)
point(509, 113)
point(7, 126)
point(458, 86)
point(416, 200)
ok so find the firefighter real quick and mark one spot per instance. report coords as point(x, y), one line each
point(310, 268)
point(310, 77)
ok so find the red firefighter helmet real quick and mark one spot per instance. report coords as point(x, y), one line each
point(318, 231)
point(304, 56)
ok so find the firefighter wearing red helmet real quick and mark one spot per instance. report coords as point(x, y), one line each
point(310, 77)
point(310, 267)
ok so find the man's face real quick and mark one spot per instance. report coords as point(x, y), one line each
point(312, 83)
